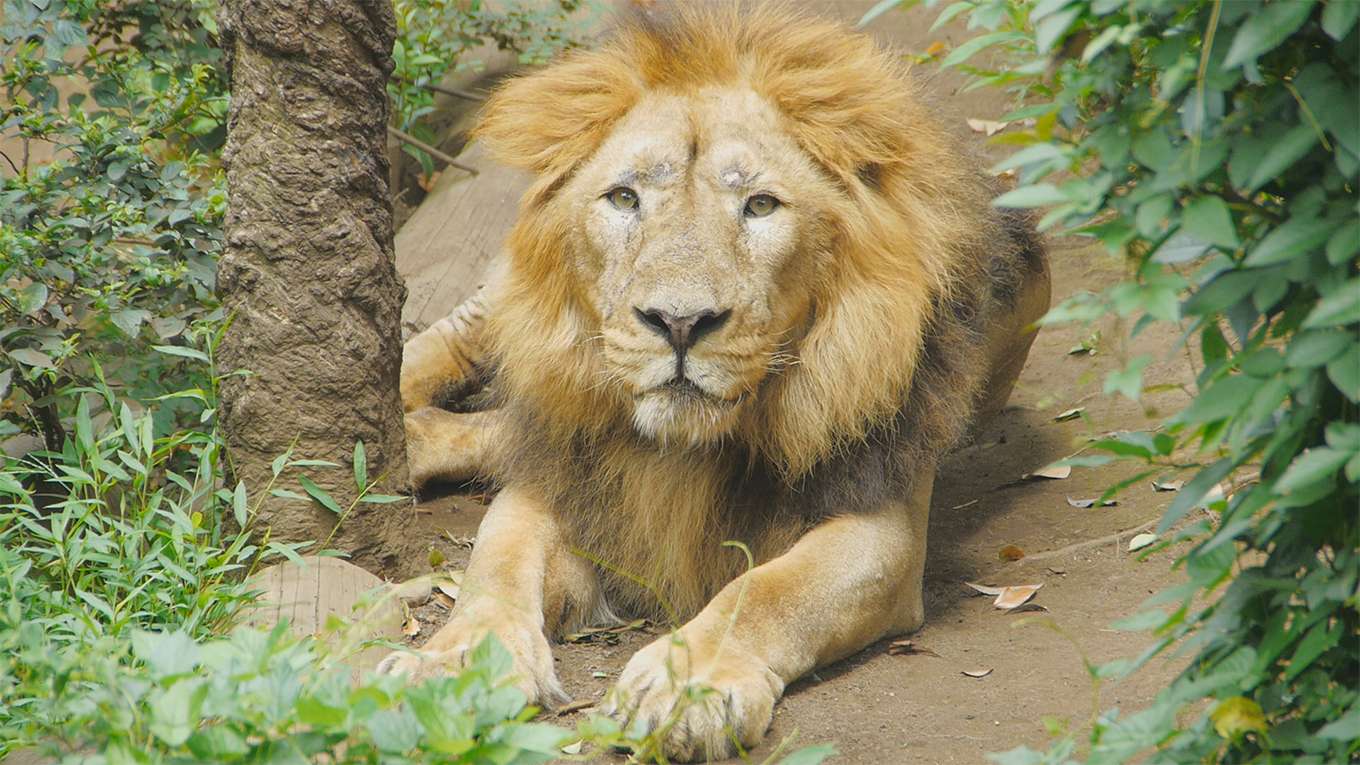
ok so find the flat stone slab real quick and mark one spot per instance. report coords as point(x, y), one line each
point(331, 599)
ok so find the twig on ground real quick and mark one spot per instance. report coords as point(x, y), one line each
point(405, 137)
point(1107, 539)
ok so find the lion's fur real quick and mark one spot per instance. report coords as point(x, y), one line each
point(890, 362)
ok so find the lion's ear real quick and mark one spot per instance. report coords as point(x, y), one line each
point(551, 120)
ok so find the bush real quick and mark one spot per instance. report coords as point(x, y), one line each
point(1215, 147)
point(123, 565)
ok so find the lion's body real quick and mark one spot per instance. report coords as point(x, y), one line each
point(859, 323)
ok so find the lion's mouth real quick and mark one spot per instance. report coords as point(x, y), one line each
point(686, 390)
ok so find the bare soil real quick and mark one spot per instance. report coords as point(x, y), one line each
point(918, 708)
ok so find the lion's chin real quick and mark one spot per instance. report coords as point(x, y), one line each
point(674, 417)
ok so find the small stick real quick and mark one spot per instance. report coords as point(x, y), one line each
point(428, 149)
point(575, 706)
point(455, 92)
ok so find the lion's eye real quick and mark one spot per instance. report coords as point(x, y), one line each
point(622, 198)
point(760, 205)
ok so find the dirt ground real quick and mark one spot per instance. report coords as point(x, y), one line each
point(882, 708)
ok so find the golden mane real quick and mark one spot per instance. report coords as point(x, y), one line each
point(917, 216)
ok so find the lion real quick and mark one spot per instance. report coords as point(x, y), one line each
point(754, 294)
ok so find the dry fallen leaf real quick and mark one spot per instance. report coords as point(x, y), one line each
point(1057, 571)
point(461, 541)
point(985, 589)
point(978, 672)
point(1010, 553)
point(1070, 414)
point(1009, 597)
point(1084, 503)
point(1167, 485)
point(449, 583)
point(1141, 541)
point(936, 48)
point(1022, 608)
point(444, 600)
point(573, 748)
point(1053, 472)
point(909, 648)
point(426, 182)
point(1016, 596)
point(989, 127)
point(411, 627)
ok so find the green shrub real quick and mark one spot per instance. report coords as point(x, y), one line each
point(1215, 147)
point(111, 247)
point(434, 35)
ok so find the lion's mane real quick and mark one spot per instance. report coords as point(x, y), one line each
point(888, 372)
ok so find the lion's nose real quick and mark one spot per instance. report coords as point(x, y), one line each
point(682, 332)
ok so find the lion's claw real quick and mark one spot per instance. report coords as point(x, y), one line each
point(532, 670)
point(700, 716)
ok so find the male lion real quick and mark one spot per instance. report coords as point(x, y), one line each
point(754, 294)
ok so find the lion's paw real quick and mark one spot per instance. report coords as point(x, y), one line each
point(697, 715)
point(450, 651)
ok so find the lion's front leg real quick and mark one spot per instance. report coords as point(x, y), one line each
point(521, 585)
point(715, 682)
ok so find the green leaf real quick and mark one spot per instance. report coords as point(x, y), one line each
point(32, 298)
point(1320, 639)
point(978, 44)
point(1266, 29)
point(1338, 16)
point(1129, 380)
point(383, 499)
point(1346, 727)
point(166, 653)
point(1207, 217)
point(179, 350)
point(1297, 238)
point(879, 8)
point(1339, 308)
point(238, 503)
point(32, 358)
point(1346, 241)
point(1315, 348)
point(394, 731)
point(1344, 372)
point(1281, 155)
point(315, 711)
point(1049, 30)
point(1038, 195)
point(1221, 400)
point(217, 743)
point(1190, 495)
point(175, 713)
point(360, 467)
point(1310, 467)
point(84, 427)
point(130, 320)
point(319, 494)
point(946, 15)
point(810, 755)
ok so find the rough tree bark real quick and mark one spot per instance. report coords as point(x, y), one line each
point(309, 274)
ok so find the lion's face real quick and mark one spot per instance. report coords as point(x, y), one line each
point(699, 227)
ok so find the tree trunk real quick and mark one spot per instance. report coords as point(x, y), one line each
point(309, 278)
